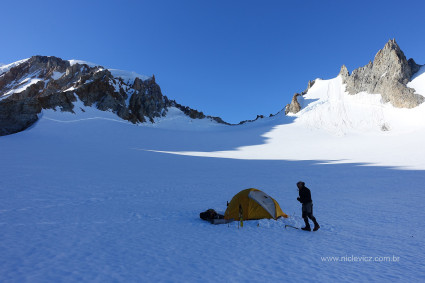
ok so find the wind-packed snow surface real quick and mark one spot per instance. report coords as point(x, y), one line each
point(84, 198)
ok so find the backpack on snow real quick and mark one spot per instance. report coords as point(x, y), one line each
point(209, 214)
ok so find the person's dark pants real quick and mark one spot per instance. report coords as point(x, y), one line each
point(307, 210)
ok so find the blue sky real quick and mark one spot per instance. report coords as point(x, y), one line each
point(233, 59)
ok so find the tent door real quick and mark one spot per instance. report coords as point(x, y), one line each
point(265, 201)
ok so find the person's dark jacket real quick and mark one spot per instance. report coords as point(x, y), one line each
point(305, 195)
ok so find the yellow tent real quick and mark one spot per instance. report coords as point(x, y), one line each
point(255, 204)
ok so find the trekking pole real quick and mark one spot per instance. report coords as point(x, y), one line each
point(225, 216)
point(241, 215)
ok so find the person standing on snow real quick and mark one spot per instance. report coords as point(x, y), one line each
point(307, 209)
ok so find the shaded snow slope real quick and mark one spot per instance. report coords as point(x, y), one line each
point(79, 202)
point(174, 120)
point(337, 127)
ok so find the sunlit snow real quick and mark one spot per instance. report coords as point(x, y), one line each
point(340, 128)
point(84, 198)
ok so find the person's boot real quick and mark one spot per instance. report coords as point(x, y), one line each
point(316, 226)
point(307, 226)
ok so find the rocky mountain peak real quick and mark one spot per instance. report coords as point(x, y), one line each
point(391, 45)
point(387, 75)
point(47, 82)
point(392, 59)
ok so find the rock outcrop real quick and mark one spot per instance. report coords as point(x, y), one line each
point(250, 121)
point(43, 82)
point(16, 116)
point(294, 107)
point(387, 75)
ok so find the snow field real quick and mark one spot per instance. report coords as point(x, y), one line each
point(80, 202)
point(336, 127)
point(89, 197)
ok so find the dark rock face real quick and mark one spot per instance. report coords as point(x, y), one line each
point(413, 66)
point(18, 115)
point(250, 121)
point(147, 101)
point(194, 114)
point(387, 75)
point(52, 83)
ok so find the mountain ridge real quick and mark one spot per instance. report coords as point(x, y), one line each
point(46, 82)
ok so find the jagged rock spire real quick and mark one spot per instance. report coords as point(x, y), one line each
point(387, 75)
point(392, 59)
point(343, 72)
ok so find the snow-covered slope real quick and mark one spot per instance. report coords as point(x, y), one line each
point(81, 200)
point(336, 127)
point(418, 81)
point(85, 197)
point(174, 120)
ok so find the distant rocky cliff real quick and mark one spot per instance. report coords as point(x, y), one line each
point(387, 75)
point(52, 83)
